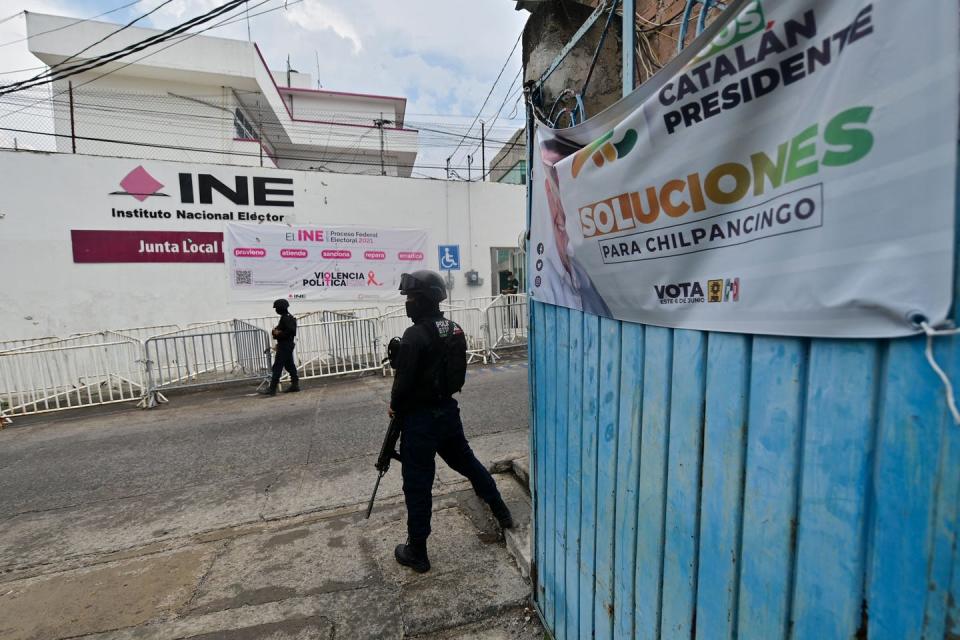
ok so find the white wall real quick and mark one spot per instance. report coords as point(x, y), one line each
point(44, 196)
point(329, 106)
point(220, 61)
point(160, 119)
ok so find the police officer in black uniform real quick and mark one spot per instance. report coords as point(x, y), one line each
point(430, 420)
point(512, 284)
point(285, 332)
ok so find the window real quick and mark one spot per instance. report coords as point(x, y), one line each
point(243, 127)
point(517, 174)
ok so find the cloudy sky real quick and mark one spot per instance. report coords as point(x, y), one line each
point(442, 55)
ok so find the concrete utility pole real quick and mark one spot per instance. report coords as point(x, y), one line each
point(448, 168)
point(73, 129)
point(379, 124)
point(469, 164)
point(483, 152)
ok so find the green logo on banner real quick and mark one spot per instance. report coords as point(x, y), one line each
point(749, 22)
point(604, 149)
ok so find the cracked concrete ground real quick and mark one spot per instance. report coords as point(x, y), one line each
point(119, 530)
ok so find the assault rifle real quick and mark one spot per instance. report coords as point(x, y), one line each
point(388, 449)
point(387, 452)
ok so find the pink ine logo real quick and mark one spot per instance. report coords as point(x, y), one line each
point(310, 235)
point(140, 184)
point(336, 254)
point(411, 256)
point(249, 252)
point(293, 253)
point(375, 255)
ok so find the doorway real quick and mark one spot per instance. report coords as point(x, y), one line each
point(504, 260)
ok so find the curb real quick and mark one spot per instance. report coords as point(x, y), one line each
point(518, 539)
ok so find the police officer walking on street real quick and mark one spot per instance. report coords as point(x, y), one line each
point(430, 367)
point(284, 332)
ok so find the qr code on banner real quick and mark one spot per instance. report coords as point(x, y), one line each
point(243, 277)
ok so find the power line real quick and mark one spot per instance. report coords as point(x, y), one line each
point(336, 118)
point(179, 39)
point(62, 63)
point(506, 154)
point(104, 59)
point(188, 121)
point(11, 17)
point(489, 93)
point(66, 26)
point(506, 97)
point(279, 156)
point(183, 38)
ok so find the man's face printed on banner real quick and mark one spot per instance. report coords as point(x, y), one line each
point(552, 152)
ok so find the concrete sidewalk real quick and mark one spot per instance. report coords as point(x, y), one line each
point(282, 555)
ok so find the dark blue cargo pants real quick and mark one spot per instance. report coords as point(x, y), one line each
point(425, 434)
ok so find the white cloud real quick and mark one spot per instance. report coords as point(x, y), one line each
point(317, 17)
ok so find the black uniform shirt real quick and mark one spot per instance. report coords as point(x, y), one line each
point(419, 352)
point(286, 329)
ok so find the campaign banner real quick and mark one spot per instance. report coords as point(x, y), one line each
point(328, 262)
point(104, 246)
point(792, 172)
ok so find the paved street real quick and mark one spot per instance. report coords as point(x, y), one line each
point(220, 436)
point(227, 515)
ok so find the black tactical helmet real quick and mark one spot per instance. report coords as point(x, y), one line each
point(281, 303)
point(426, 283)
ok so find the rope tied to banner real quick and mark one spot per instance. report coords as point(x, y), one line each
point(932, 333)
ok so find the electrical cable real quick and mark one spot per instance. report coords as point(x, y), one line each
point(11, 17)
point(150, 145)
point(124, 66)
point(494, 86)
point(66, 26)
point(104, 59)
point(62, 63)
point(506, 97)
point(164, 115)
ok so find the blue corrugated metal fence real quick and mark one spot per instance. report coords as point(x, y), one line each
point(691, 484)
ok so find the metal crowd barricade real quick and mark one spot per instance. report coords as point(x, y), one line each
point(203, 356)
point(51, 374)
point(506, 323)
point(88, 370)
point(337, 347)
point(481, 302)
point(143, 333)
point(13, 345)
point(471, 321)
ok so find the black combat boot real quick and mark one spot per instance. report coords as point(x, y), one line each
point(293, 388)
point(413, 554)
point(501, 513)
point(270, 391)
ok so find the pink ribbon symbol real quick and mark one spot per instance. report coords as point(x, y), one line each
point(372, 279)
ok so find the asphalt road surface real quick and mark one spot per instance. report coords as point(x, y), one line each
point(221, 435)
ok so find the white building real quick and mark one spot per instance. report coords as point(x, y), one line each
point(50, 202)
point(213, 100)
point(208, 112)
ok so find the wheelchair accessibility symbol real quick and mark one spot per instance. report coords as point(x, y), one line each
point(449, 257)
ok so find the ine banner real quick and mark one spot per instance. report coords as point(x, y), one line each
point(268, 261)
point(793, 172)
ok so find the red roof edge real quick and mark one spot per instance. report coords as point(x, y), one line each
point(280, 90)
